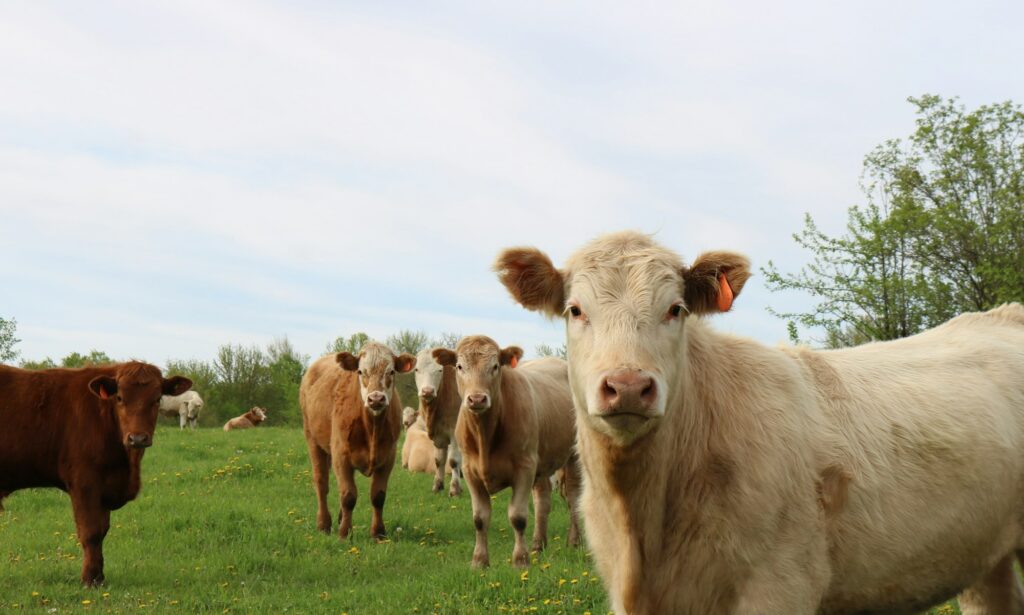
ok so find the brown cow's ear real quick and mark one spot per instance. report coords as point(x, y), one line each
point(404, 363)
point(176, 385)
point(534, 282)
point(444, 356)
point(714, 280)
point(348, 361)
point(510, 356)
point(103, 387)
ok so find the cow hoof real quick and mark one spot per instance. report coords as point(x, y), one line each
point(521, 560)
point(95, 581)
point(538, 546)
point(438, 487)
point(326, 529)
point(481, 561)
point(455, 491)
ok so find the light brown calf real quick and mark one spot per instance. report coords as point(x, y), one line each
point(250, 419)
point(515, 429)
point(352, 417)
point(418, 450)
point(721, 476)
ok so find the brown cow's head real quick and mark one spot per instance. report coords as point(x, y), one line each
point(478, 361)
point(376, 366)
point(625, 301)
point(135, 393)
point(256, 415)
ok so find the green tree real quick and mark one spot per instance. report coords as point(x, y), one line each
point(407, 341)
point(7, 340)
point(77, 359)
point(545, 350)
point(942, 231)
point(46, 363)
point(353, 343)
point(446, 339)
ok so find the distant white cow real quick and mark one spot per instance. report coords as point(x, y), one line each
point(185, 406)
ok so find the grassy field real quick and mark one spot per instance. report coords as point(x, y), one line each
point(226, 523)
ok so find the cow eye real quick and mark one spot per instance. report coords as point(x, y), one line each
point(458, 366)
point(495, 367)
point(119, 398)
point(675, 311)
point(359, 371)
point(575, 311)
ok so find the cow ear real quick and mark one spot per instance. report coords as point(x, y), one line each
point(534, 282)
point(348, 361)
point(176, 385)
point(404, 363)
point(510, 356)
point(103, 387)
point(444, 356)
point(714, 280)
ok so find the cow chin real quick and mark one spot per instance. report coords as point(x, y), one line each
point(376, 411)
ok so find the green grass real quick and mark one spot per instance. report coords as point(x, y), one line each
point(226, 523)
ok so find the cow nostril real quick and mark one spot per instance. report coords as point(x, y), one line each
point(608, 390)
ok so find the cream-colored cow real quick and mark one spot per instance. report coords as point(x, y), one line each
point(439, 409)
point(723, 476)
point(185, 406)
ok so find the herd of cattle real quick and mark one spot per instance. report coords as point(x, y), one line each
point(711, 474)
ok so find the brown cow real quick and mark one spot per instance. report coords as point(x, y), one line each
point(515, 429)
point(250, 419)
point(352, 417)
point(83, 431)
point(439, 409)
point(724, 476)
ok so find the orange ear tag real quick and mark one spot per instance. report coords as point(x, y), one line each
point(724, 294)
point(513, 362)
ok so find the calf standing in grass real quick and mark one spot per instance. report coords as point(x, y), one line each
point(723, 476)
point(83, 431)
point(515, 429)
point(439, 410)
point(352, 417)
point(250, 419)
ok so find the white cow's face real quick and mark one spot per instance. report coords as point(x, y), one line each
point(428, 375)
point(625, 301)
point(376, 367)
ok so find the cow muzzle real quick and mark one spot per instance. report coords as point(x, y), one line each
point(139, 440)
point(627, 397)
point(376, 402)
point(478, 402)
point(427, 394)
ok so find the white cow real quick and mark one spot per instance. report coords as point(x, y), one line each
point(185, 406)
point(722, 476)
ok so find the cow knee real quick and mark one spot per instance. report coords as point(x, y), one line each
point(478, 523)
point(378, 499)
point(348, 501)
point(519, 523)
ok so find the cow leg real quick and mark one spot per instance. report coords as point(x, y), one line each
point(182, 418)
point(321, 462)
point(455, 489)
point(518, 512)
point(348, 493)
point(440, 459)
point(999, 592)
point(378, 493)
point(541, 509)
point(92, 522)
point(571, 487)
point(3, 494)
point(481, 501)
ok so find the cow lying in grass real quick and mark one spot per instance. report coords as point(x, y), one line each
point(515, 429)
point(250, 419)
point(418, 450)
point(723, 476)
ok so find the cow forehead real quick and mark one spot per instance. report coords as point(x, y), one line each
point(375, 357)
point(477, 349)
point(425, 359)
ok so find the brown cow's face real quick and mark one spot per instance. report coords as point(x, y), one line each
point(625, 301)
point(135, 393)
point(376, 367)
point(478, 361)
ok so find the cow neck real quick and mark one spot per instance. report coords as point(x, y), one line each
point(113, 446)
point(484, 428)
point(378, 427)
point(630, 482)
point(443, 409)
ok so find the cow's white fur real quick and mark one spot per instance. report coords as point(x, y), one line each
point(185, 406)
point(883, 478)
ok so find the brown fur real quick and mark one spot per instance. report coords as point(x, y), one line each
point(245, 421)
point(342, 432)
point(503, 446)
point(701, 280)
point(531, 278)
point(58, 432)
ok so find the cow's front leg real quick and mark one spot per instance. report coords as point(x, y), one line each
point(440, 459)
point(182, 419)
point(481, 501)
point(378, 493)
point(347, 492)
point(92, 521)
point(518, 512)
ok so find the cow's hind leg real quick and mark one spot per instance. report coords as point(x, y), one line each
point(440, 460)
point(541, 509)
point(92, 521)
point(455, 489)
point(182, 419)
point(321, 463)
point(571, 486)
point(999, 592)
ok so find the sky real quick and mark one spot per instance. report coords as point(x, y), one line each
point(175, 176)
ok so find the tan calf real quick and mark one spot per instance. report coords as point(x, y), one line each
point(352, 417)
point(439, 408)
point(418, 450)
point(723, 476)
point(250, 419)
point(515, 429)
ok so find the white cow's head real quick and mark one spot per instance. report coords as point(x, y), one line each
point(428, 375)
point(376, 366)
point(625, 301)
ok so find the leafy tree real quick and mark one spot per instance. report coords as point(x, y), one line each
point(446, 339)
point(942, 231)
point(46, 363)
point(353, 343)
point(544, 350)
point(77, 359)
point(7, 340)
point(407, 341)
